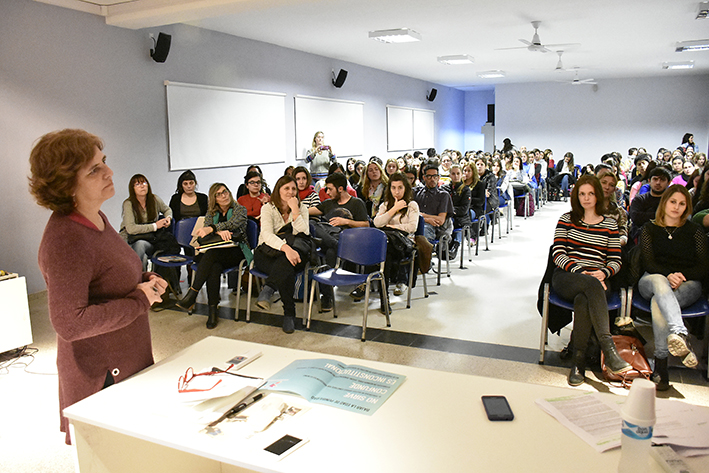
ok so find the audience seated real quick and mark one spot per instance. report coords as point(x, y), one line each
point(306, 191)
point(373, 184)
point(186, 202)
point(255, 198)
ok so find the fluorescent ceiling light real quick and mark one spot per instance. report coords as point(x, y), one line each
point(491, 74)
point(698, 45)
point(678, 65)
point(456, 60)
point(401, 35)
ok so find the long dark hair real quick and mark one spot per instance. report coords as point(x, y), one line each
point(408, 193)
point(151, 209)
point(577, 211)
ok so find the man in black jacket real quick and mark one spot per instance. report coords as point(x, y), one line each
point(644, 206)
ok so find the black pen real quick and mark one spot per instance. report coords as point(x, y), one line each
point(236, 409)
point(218, 370)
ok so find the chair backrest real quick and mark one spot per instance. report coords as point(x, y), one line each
point(252, 231)
point(365, 246)
point(422, 224)
point(183, 230)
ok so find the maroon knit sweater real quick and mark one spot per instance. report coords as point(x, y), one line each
point(100, 316)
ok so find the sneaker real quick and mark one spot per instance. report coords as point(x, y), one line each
point(399, 289)
point(679, 346)
point(358, 293)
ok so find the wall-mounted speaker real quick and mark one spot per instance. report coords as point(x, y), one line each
point(340, 79)
point(162, 47)
point(432, 95)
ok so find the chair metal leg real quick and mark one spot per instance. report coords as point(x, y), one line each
point(310, 304)
point(366, 310)
point(411, 278)
point(545, 324)
point(248, 294)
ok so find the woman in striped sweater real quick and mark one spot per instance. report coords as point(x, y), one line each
point(586, 253)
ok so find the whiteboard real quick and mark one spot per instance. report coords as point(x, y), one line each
point(409, 128)
point(212, 127)
point(341, 121)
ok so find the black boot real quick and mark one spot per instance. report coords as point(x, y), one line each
point(289, 323)
point(614, 362)
point(187, 302)
point(661, 375)
point(578, 368)
point(213, 318)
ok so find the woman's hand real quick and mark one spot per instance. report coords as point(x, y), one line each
point(398, 205)
point(203, 232)
point(264, 198)
point(225, 234)
point(163, 222)
point(151, 291)
point(598, 274)
point(159, 283)
point(676, 279)
point(294, 205)
point(292, 255)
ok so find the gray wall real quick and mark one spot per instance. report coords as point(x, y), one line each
point(65, 69)
point(649, 112)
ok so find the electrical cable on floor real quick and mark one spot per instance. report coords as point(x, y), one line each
point(14, 359)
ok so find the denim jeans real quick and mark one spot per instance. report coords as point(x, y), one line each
point(435, 233)
point(144, 250)
point(666, 307)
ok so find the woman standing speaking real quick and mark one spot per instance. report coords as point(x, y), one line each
point(97, 293)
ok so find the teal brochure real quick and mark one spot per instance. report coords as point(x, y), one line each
point(323, 381)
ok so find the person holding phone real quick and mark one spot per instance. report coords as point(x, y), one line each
point(320, 157)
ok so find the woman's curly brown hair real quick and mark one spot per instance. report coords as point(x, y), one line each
point(54, 164)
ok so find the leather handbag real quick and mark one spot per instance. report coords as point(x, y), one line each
point(631, 350)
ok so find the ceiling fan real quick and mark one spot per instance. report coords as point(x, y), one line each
point(536, 44)
point(577, 81)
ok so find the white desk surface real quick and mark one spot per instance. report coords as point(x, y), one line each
point(434, 422)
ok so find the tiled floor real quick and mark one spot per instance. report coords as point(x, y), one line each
point(481, 320)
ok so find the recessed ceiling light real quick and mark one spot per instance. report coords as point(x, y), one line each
point(491, 74)
point(456, 60)
point(698, 45)
point(678, 65)
point(401, 35)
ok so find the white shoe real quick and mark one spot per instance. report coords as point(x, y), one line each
point(399, 289)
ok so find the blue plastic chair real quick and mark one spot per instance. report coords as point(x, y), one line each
point(183, 234)
point(617, 300)
point(698, 309)
point(364, 246)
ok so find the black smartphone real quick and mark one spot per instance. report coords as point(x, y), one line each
point(285, 445)
point(497, 408)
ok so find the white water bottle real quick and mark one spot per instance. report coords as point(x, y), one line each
point(638, 415)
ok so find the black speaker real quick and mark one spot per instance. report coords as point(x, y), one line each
point(432, 95)
point(340, 79)
point(162, 48)
point(491, 113)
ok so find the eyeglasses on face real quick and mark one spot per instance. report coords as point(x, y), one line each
point(140, 184)
point(224, 193)
point(430, 176)
point(256, 183)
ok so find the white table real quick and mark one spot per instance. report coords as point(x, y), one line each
point(434, 422)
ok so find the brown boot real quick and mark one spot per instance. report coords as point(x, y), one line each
point(425, 250)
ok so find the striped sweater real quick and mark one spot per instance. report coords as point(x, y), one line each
point(587, 247)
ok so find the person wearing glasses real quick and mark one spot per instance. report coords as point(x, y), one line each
point(141, 217)
point(435, 205)
point(97, 293)
point(256, 198)
point(226, 218)
point(242, 190)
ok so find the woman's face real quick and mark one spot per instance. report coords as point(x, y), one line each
point(676, 154)
point(401, 162)
point(350, 166)
point(287, 191)
point(480, 164)
point(302, 180)
point(446, 162)
point(468, 173)
point(608, 184)
point(397, 189)
point(677, 164)
point(690, 140)
point(496, 168)
point(94, 181)
point(567, 158)
point(688, 168)
point(524, 158)
point(359, 168)
point(642, 166)
point(455, 175)
point(319, 139)
point(374, 173)
point(587, 197)
point(189, 186)
point(516, 163)
point(675, 206)
point(392, 167)
point(223, 197)
point(140, 188)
